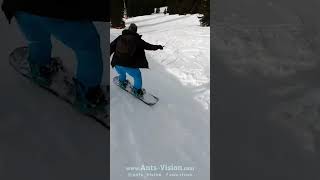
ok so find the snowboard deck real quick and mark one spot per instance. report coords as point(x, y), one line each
point(61, 86)
point(147, 98)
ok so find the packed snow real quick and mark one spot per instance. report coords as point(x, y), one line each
point(175, 131)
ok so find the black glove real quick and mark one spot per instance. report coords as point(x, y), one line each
point(160, 47)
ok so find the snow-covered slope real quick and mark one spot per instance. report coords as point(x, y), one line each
point(176, 130)
point(41, 136)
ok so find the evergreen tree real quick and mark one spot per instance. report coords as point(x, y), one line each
point(183, 7)
point(172, 8)
point(117, 13)
point(131, 8)
point(195, 6)
point(150, 6)
point(142, 7)
point(205, 10)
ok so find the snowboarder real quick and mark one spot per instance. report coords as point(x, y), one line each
point(129, 56)
point(71, 22)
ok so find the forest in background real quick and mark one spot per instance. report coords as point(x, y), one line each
point(133, 8)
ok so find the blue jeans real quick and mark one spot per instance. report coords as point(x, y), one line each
point(81, 36)
point(134, 72)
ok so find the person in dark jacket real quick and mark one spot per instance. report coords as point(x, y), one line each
point(71, 22)
point(129, 60)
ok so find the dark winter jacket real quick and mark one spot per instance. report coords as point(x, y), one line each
point(92, 10)
point(138, 60)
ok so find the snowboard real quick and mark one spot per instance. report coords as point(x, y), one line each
point(147, 97)
point(62, 85)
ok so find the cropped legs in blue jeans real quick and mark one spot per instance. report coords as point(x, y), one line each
point(81, 36)
point(134, 72)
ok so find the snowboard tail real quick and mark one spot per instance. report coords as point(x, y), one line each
point(61, 85)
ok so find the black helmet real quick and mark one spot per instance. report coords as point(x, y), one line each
point(133, 27)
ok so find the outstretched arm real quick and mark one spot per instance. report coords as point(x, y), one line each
point(148, 46)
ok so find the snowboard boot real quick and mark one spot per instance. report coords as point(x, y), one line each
point(42, 74)
point(95, 95)
point(88, 99)
point(123, 84)
point(138, 92)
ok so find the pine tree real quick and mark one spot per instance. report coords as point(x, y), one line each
point(132, 8)
point(205, 10)
point(150, 6)
point(195, 6)
point(183, 7)
point(142, 7)
point(172, 8)
point(117, 9)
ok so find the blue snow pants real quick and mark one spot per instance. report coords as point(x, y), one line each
point(133, 72)
point(81, 36)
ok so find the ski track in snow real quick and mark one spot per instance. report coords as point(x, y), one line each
point(176, 130)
